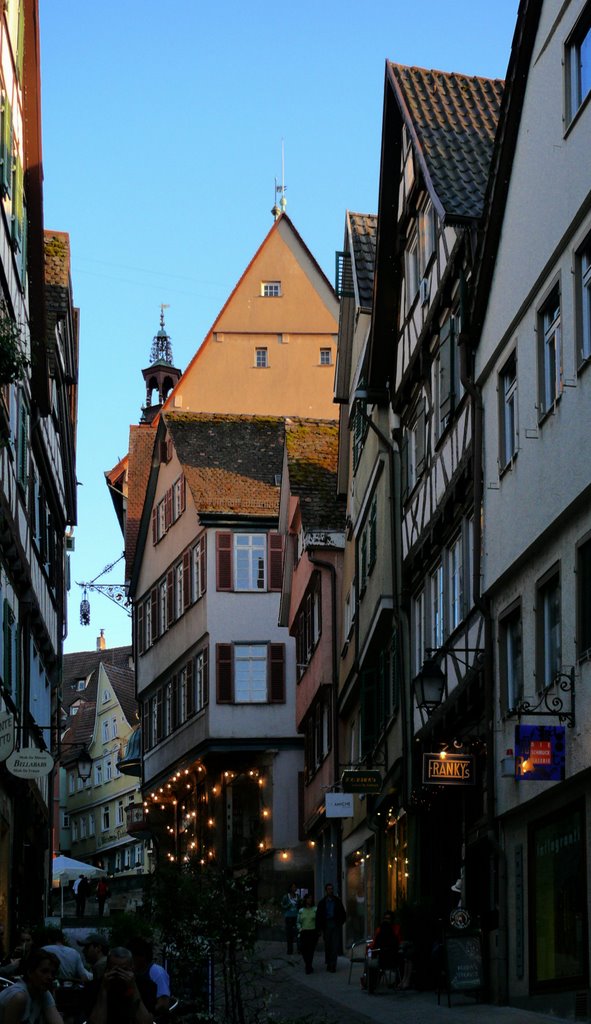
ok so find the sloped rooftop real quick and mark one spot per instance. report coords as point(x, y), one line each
point(312, 454)
point(363, 229)
point(82, 665)
point(232, 464)
point(453, 119)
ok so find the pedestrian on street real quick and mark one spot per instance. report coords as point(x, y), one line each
point(330, 918)
point(307, 933)
point(102, 894)
point(290, 905)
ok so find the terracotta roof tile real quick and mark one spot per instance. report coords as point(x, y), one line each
point(363, 227)
point(312, 455)
point(141, 446)
point(455, 119)
point(231, 462)
point(82, 665)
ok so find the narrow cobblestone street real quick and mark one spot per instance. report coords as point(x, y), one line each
point(329, 998)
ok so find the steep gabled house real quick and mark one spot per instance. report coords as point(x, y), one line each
point(38, 372)
point(437, 141)
point(312, 522)
point(215, 672)
point(101, 722)
point(531, 328)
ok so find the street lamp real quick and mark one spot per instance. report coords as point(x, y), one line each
point(429, 686)
point(84, 764)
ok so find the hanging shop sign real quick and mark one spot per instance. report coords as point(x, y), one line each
point(367, 781)
point(540, 752)
point(6, 734)
point(451, 770)
point(339, 805)
point(30, 763)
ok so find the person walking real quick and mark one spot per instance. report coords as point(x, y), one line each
point(81, 891)
point(307, 933)
point(290, 905)
point(330, 918)
point(102, 894)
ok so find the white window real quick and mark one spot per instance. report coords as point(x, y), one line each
point(98, 773)
point(114, 726)
point(91, 824)
point(105, 730)
point(200, 681)
point(106, 819)
point(271, 289)
point(548, 630)
point(106, 696)
point(163, 602)
point(139, 855)
point(583, 276)
point(178, 589)
point(168, 709)
point(510, 657)
point(108, 771)
point(250, 561)
point(82, 826)
point(550, 351)
point(120, 813)
point(182, 697)
point(578, 63)
point(508, 411)
point(197, 569)
point(178, 498)
point(456, 584)
point(65, 819)
point(71, 783)
point(411, 268)
point(118, 861)
point(127, 857)
point(261, 358)
point(79, 784)
point(325, 357)
point(437, 625)
point(250, 673)
point(148, 622)
point(161, 519)
point(426, 235)
point(74, 830)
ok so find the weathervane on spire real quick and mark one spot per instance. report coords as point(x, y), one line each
point(280, 189)
point(161, 345)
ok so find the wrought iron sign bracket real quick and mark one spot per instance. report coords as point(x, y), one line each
point(552, 703)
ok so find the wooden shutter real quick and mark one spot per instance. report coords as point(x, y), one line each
point(224, 673)
point(202, 565)
point(187, 579)
point(190, 687)
point(224, 560)
point(146, 736)
point(275, 561)
point(420, 439)
point(170, 597)
point(154, 526)
point(182, 495)
point(17, 204)
point(6, 146)
point(276, 669)
point(205, 663)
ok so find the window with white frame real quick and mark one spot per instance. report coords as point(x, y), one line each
point(168, 708)
point(510, 658)
point(583, 284)
point(349, 618)
point(325, 357)
point(106, 818)
point(270, 289)
point(250, 561)
point(411, 267)
point(198, 569)
point(118, 860)
point(139, 855)
point(250, 673)
point(83, 826)
point(201, 680)
point(456, 583)
point(120, 813)
point(71, 783)
point(584, 598)
point(114, 727)
point(415, 449)
point(548, 628)
point(105, 730)
point(426, 235)
point(163, 605)
point(178, 498)
point(419, 630)
point(108, 770)
point(261, 358)
point(106, 696)
point(437, 606)
point(127, 858)
point(91, 826)
point(508, 411)
point(549, 351)
point(79, 784)
point(178, 589)
point(65, 819)
point(98, 773)
point(578, 63)
point(75, 830)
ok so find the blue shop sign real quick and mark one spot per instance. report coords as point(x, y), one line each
point(540, 752)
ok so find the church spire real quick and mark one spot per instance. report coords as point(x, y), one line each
point(160, 376)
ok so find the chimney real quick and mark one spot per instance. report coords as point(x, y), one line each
point(101, 643)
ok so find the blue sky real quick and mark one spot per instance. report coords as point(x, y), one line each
point(162, 137)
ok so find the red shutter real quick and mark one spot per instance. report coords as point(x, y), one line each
point(141, 642)
point(225, 667)
point(276, 669)
point(183, 495)
point(154, 614)
point(275, 561)
point(190, 688)
point(170, 597)
point(186, 579)
point(154, 526)
point(168, 509)
point(224, 560)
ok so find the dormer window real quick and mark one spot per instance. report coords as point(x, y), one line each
point(271, 289)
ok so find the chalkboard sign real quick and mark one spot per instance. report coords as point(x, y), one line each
point(463, 962)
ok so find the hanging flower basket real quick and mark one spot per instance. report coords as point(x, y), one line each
point(13, 361)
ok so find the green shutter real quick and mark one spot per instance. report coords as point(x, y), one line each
point(20, 41)
point(6, 147)
point(18, 204)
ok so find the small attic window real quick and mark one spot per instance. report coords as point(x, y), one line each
point(271, 289)
point(78, 684)
point(166, 450)
point(106, 696)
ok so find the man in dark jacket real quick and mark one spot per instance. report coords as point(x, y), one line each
point(330, 918)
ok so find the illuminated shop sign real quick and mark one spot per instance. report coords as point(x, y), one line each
point(540, 752)
point(451, 770)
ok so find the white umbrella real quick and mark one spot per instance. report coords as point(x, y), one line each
point(66, 869)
